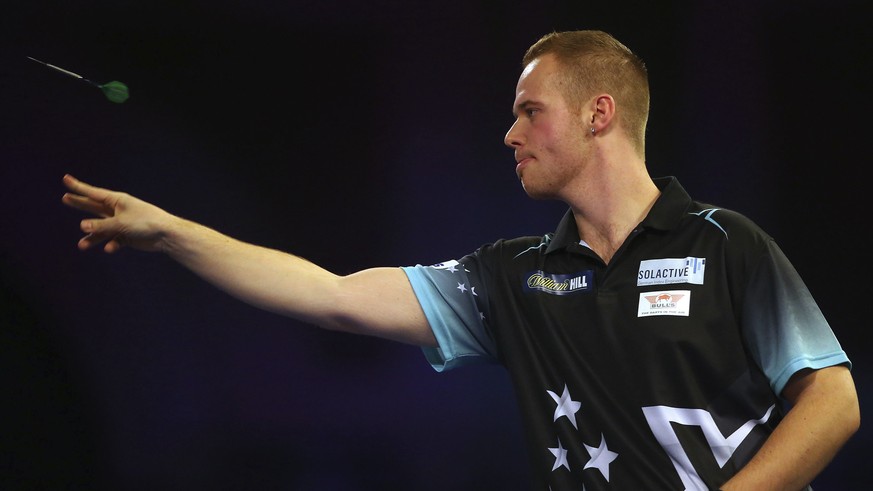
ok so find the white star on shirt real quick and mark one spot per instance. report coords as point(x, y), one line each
point(601, 457)
point(452, 268)
point(566, 406)
point(462, 287)
point(560, 454)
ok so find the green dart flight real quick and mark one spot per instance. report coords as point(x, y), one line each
point(115, 91)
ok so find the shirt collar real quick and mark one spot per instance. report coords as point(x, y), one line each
point(665, 214)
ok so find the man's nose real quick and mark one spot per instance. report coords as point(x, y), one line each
point(513, 138)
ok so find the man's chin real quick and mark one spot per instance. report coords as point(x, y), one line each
point(534, 192)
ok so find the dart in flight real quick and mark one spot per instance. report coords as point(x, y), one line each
point(115, 91)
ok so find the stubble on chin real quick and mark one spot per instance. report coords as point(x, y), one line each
point(533, 191)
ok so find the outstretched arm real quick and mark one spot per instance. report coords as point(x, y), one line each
point(824, 414)
point(378, 302)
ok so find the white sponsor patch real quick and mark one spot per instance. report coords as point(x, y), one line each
point(672, 270)
point(673, 302)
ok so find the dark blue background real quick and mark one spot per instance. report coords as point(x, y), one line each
point(362, 134)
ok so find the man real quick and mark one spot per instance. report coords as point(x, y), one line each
point(654, 342)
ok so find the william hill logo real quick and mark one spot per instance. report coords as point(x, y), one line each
point(559, 284)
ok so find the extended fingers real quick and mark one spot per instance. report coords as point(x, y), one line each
point(79, 187)
point(87, 204)
point(97, 201)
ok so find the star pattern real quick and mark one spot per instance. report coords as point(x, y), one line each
point(560, 454)
point(601, 457)
point(566, 406)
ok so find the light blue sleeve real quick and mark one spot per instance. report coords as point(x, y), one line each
point(783, 325)
point(448, 299)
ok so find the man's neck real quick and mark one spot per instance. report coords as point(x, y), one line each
point(609, 205)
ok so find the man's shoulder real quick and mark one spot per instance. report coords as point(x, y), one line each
point(728, 233)
point(515, 247)
point(523, 242)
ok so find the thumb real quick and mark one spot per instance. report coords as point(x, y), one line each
point(99, 230)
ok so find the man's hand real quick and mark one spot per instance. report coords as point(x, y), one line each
point(125, 220)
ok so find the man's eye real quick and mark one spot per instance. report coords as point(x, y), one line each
point(531, 112)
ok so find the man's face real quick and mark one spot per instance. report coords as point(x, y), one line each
point(548, 138)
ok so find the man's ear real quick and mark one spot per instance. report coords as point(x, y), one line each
point(602, 112)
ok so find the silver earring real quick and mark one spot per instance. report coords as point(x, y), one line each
point(592, 130)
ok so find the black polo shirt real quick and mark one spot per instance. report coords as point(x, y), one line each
point(659, 370)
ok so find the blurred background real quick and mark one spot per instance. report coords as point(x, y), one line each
point(361, 134)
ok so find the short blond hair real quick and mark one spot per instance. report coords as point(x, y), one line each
point(595, 62)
